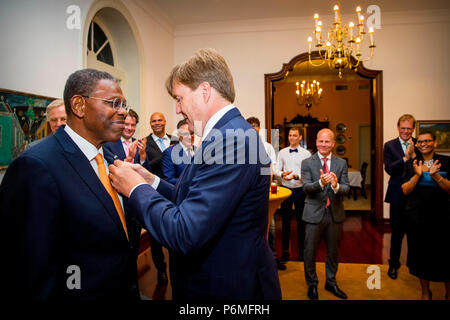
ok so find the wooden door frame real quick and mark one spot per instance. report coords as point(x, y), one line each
point(376, 121)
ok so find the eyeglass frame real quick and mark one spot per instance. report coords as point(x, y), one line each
point(126, 107)
point(426, 141)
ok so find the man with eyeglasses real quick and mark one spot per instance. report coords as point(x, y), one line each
point(396, 153)
point(56, 116)
point(65, 234)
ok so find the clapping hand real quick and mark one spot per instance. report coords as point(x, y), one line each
point(435, 167)
point(142, 143)
point(285, 175)
point(409, 153)
point(131, 152)
point(418, 167)
point(325, 178)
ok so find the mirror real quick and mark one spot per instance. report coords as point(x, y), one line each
point(355, 101)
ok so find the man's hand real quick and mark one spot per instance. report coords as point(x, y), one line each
point(325, 178)
point(285, 175)
point(125, 176)
point(131, 152)
point(409, 152)
point(334, 180)
point(142, 143)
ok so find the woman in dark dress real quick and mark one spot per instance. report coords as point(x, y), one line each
point(427, 188)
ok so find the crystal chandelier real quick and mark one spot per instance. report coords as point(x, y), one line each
point(308, 93)
point(341, 42)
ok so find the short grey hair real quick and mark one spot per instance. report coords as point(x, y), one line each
point(54, 104)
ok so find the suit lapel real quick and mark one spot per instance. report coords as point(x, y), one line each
point(119, 151)
point(399, 147)
point(80, 164)
point(225, 119)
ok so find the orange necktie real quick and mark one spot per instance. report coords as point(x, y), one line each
point(107, 184)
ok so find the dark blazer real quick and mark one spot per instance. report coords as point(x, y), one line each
point(55, 213)
point(114, 150)
point(172, 170)
point(214, 220)
point(316, 198)
point(154, 156)
point(394, 165)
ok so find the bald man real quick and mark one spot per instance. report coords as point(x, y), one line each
point(325, 182)
point(157, 142)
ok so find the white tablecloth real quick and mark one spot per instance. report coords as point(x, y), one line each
point(354, 177)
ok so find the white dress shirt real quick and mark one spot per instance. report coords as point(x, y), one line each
point(90, 151)
point(166, 141)
point(291, 161)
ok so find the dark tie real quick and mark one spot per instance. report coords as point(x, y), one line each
point(293, 150)
point(326, 170)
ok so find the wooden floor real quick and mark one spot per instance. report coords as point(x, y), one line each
point(362, 242)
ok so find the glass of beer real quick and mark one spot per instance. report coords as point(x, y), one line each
point(273, 188)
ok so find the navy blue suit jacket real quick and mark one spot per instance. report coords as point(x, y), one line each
point(55, 213)
point(172, 170)
point(214, 220)
point(115, 151)
point(394, 165)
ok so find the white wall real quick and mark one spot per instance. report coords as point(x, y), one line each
point(411, 51)
point(40, 52)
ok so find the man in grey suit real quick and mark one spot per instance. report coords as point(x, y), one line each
point(325, 182)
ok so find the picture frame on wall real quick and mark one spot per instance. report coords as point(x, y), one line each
point(440, 128)
point(22, 120)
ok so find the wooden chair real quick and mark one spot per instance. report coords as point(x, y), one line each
point(361, 188)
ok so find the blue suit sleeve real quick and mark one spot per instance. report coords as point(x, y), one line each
point(212, 198)
point(168, 167)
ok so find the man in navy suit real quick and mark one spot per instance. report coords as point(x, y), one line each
point(396, 153)
point(178, 155)
point(64, 236)
point(127, 147)
point(214, 220)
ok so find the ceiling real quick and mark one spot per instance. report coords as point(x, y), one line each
point(181, 12)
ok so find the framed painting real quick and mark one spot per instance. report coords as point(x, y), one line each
point(440, 128)
point(22, 120)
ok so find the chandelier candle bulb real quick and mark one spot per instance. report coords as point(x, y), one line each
point(371, 36)
point(336, 14)
point(350, 27)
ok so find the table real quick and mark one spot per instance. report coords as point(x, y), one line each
point(354, 177)
point(274, 202)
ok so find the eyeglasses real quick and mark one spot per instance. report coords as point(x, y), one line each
point(116, 103)
point(424, 141)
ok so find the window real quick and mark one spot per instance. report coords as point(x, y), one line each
point(98, 44)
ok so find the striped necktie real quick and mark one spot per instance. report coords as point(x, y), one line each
point(326, 170)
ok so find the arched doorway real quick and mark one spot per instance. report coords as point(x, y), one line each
point(112, 44)
point(374, 78)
